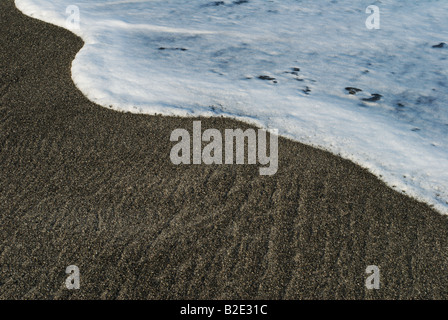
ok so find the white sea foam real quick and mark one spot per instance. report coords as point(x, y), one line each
point(215, 51)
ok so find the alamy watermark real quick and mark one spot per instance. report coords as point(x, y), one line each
point(373, 21)
point(72, 281)
point(234, 140)
point(373, 281)
point(72, 21)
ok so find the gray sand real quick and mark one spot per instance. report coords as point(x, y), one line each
point(84, 185)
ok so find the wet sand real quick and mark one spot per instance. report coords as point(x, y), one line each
point(87, 186)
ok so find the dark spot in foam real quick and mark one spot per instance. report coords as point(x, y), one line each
point(374, 97)
point(295, 71)
point(266, 78)
point(240, 2)
point(214, 4)
point(181, 49)
point(307, 90)
point(352, 90)
point(440, 45)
